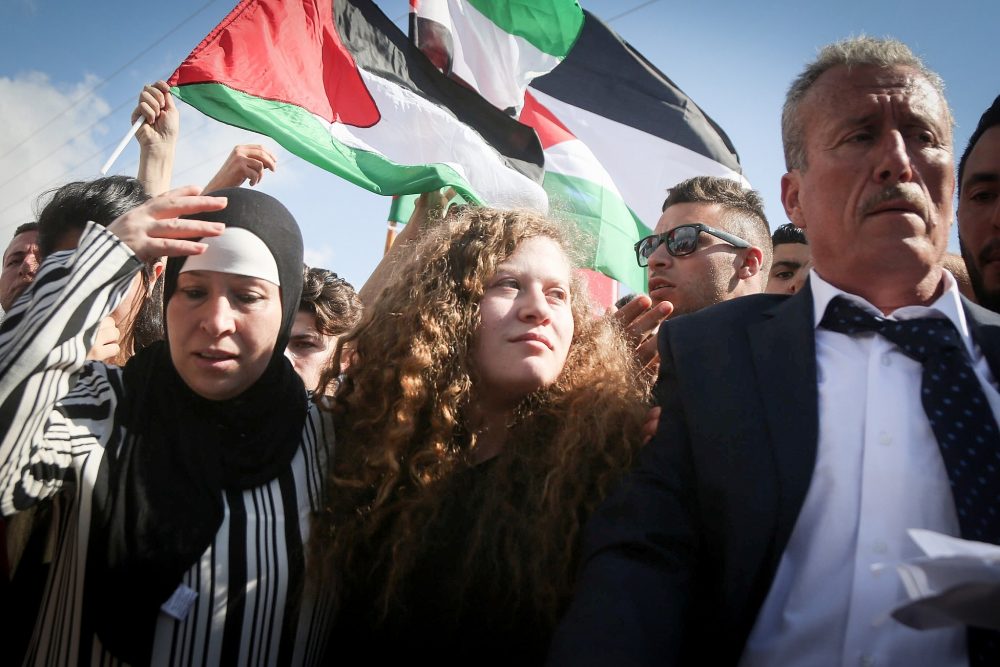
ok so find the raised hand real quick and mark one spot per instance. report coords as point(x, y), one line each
point(246, 162)
point(156, 106)
point(640, 319)
point(155, 229)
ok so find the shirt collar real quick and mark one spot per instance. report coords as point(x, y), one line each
point(948, 305)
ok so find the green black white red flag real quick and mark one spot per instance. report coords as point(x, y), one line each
point(336, 83)
point(616, 132)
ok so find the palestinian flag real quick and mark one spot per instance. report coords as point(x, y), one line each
point(336, 83)
point(645, 132)
point(580, 189)
point(496, 47)
point(616, 132)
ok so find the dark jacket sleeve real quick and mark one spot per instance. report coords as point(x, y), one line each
point(635, 598)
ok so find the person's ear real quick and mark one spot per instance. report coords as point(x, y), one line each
point(790, 190)
point(753, 260)
point(157, 271)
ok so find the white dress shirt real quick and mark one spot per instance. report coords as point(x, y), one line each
point(878, 472)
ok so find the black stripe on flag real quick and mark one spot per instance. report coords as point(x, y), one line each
point(603, 74)
point(379, 47)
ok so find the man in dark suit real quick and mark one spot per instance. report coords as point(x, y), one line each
point(799, 437)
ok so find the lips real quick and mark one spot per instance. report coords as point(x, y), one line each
point(895, 206)
point(656, 283)
point(533, 337)
point(991, 253)
point(214, 358)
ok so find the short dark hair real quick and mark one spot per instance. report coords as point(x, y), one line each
point(788, 233)
point(331, 299)
point(71, 206)
point(744, 209)
point(988, 120)
point(26, 227)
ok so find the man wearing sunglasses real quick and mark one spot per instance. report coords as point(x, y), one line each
point(712, 244)
point(803, 436)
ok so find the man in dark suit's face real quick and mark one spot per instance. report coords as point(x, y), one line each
point(979, 209)
point(874, 189)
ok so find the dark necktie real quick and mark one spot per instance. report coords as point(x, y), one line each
point(963, 424)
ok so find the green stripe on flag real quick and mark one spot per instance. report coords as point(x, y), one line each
point(604, 216)
point(303, 134)
point(551, 26)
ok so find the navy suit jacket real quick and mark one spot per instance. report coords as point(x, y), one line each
point(678, 561)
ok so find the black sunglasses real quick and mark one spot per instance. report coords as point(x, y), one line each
point(681, 240)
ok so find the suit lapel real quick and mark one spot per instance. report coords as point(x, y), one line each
point(783, 347)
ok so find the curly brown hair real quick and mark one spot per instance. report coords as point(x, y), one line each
point(330, 299)
point(402, 427)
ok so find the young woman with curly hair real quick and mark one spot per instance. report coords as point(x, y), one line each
point(485, 414)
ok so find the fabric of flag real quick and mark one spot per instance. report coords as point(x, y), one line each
point(336, 83)
point(645, 132)
point(502, 45)
point(617, 133)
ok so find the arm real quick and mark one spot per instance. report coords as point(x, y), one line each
point(246, 162)
point(43, 344)
point(430, 206)
point(45, 338)
point(635, 597)
point(157, 137)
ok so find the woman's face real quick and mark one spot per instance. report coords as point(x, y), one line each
point(222, 330)
point(526, 323)
point(308, 349)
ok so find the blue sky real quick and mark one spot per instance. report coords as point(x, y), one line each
point(88, 61)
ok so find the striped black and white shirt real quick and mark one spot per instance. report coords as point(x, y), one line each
point(56, 419)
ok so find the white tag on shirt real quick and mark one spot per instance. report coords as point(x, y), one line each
point(180, 603)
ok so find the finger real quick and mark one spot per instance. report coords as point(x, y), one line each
point(165, 247)
point(647, 351)
point(155, 94)
point(649, 320)
point(146, 111)
point(633, 309)
point(184, 228)
point(171, 205)
point(268, 159)
point(255, 169)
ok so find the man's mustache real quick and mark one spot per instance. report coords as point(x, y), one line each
point(909, 193)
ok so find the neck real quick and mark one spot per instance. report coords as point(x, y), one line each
point(491, 434)
point(896, 292)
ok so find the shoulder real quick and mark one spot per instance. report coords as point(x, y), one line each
point(724, 318)
point(982, 316)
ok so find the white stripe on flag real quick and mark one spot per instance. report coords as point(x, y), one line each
point(434, 136)
point(643, 166)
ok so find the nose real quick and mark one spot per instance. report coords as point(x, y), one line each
point(660, 257)
point(218, 318)
point(534, 306)
point(29, 267)
point(894, 164)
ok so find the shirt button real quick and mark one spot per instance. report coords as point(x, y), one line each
point(886, 360)
point(884, 438)
point(880, 547)
point(867, 661)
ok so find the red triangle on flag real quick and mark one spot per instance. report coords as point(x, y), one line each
point(287, 51)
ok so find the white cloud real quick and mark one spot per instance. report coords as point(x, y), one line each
point(321, 257)
point(52, 155)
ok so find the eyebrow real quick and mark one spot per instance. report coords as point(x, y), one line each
point(786, 264)
point(981, 177)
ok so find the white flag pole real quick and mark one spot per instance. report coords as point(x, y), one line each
point(122, 144)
